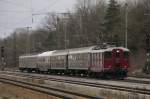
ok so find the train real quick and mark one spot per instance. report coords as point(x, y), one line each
point(94, 61)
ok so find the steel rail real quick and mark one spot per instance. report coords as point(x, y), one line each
point(47, 90)
point(114, 87)
point(125, 80)
point(141, 76)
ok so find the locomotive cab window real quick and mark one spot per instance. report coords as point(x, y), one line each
point(117, 54)
point(126, 55)
point(107, 54)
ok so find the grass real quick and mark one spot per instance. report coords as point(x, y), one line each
point(5, 97)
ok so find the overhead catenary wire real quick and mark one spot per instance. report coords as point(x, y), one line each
point(30, 10)
point(12, 3)
point(14, 11)
point(20, 21)
point(49, 6)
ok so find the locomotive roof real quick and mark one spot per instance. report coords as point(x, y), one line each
point(110, 49)
point(94, 49)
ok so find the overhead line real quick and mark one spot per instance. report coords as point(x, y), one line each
point(49, 6)
point(5, 11)
point(39, 12)
point(16, 4)
point(20, 21)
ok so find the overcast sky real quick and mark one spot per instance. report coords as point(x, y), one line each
point(18, 13)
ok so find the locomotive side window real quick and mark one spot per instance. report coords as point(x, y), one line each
point(107, 54)
point(126, 54)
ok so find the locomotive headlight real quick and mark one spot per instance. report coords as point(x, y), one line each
point(117, 51)
point(125, 66)
point(109, 66)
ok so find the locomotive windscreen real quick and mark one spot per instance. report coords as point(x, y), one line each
point(117, 54)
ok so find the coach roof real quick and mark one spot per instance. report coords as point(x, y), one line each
point(48, 53)
point(81, 50)
point(28, 56)
point(60, 52)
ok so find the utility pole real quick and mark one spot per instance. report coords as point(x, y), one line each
point(66, 39)
point(15, 50)
point(2, 58)
point(81, 29)
point(65, 28)
point(65, 20)
point(147, 14)
point(28, 40)
point(147, 38)
point(126, 24)
point(31, 10)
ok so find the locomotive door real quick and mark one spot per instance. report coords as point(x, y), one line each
point(96, 62)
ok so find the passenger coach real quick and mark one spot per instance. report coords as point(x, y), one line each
point(28, 63)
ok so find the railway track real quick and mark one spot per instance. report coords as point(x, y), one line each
point(47, 90)
point(141, 76)
point(135, 88)
point(138, 80)
point(131, 79)
point(121, 88)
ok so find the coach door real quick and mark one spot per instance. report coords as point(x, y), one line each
point(96, 62)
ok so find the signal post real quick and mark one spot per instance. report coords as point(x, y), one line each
point(3, 62)
point(146, 68)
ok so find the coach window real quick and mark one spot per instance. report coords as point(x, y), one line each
point(60, 59)
point(48, 59)
point(107, 54)
point(76, 58)
point(80, 56)
point(73, 58)
point(70, 57)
